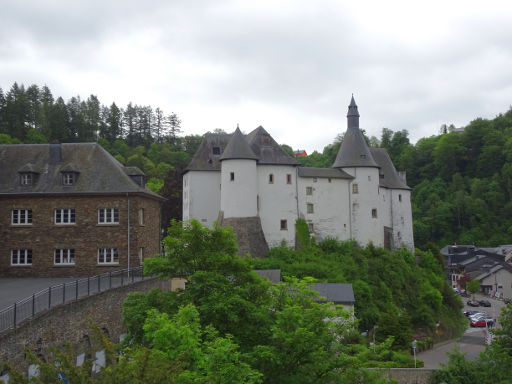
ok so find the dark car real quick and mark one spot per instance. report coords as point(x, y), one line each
point(506, 301)
point(473, 303)
point(472, 312)
point(485, 303)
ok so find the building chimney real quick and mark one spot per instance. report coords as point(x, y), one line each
point(55, 153)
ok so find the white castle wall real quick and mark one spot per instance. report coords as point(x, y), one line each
point(331, 214)
point(239, 196)
point(402, 219)
point(277, 201)
point(365, 228)
point(201, 196)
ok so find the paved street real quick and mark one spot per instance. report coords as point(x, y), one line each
point(12, 289)
point(472, 342)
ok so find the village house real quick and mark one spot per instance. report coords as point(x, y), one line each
point(250, 183)
point(73, 210)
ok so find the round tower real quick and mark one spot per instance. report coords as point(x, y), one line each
point(239, 188)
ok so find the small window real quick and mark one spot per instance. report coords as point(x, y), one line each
point(141, 255)
point(310, 227)
point(64, 216)
point(369, 178)
point(309, 191)
point(21, 217)
point(108, 216)
point(329, 179)
point(284, 225)
point(108, 256)
point(362, 156)
point(64, 257)
point(271, 178)
point(68, 178)
point(141, 216)
point(381, 175)
point(216, 150)
point(355, 188)
point(315, 179)
point(374, 213)
point(232, 176)
point(310, 208)
point(21, 257)
point(399, 197)
point(26, 179)
point(288, 178)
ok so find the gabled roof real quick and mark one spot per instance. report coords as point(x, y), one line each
point(99, 172)
point(388, 176)
point(238, 148)
point(326, 173)
point(262, 145)
point(335, 292)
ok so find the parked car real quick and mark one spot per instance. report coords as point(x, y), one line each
point(485, 303)
point(477, 322)
point(473, 303)
point(472, 312)
point(506, 301)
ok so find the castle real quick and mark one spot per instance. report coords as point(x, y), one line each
point(252, 184)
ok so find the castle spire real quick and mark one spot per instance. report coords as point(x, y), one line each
point(353, 114)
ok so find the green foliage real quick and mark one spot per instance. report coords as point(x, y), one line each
point(473, 286)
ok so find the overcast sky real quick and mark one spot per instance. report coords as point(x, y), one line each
point(290, 66)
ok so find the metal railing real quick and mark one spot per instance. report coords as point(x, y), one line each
point(63, 293)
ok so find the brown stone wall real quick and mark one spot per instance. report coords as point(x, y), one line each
point(85, 236)
point(68, 323)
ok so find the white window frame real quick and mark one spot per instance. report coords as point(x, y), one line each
point(108, 216)
point(355, 188)
point(310, 208)
point(23, 257)
point(21, 217)
point(68, 178)
point(64, 216)
point(26, 179)
point(108, 256)
point(65, 256)
point(309, 191)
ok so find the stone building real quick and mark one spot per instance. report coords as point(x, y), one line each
point(251, 183)
point(73, 210)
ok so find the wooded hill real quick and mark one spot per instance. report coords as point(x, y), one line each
point(462, 181)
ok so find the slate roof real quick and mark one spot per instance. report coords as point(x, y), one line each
point(274, 275)
point(238, 148)
point(491, 271)
point(262, 145)
point(389, 177)
point(335, 292)
point(98, 172)
point(327, 173)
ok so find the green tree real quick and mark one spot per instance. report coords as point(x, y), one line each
point(473, 286)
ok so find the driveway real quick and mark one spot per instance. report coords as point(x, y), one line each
point(472, 342)
point(15, 289)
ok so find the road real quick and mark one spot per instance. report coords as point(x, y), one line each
point(472, 342)
point(14, 289)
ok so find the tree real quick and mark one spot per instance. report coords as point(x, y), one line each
point(473, 286)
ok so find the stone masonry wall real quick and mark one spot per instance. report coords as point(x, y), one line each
point(68, 323)
point(43, 236)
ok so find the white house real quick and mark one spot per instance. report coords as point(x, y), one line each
point(251, 183)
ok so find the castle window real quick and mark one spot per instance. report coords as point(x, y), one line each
point(216, 150)
point(374, 213)
point(64, 257)
point(68, 178)
point(21, 257)
point(399, 197)
point(329, 179)
point(284, 225)
point(26, 179)
point(64, 216)
point(141, 255)
point(271, 178)
point(108, 216)
point(369, 178)
point(310, 227)
point(310, 208)
point(381, 175)
point(232, 176)
point(309, 191)
point(362, 156)
point(315, 179)
point(141, 216)
point(355, 188)
point(108, 256)
point(288, 178)
point(21, 217)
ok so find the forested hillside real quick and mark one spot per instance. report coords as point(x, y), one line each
point(462, 181)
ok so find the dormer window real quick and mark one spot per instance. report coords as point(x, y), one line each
point(68, 178)
point(362, 156)
point(26, 179)
point(216, 150)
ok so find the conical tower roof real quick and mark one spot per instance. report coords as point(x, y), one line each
point(353, 151)
point(238, 148)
